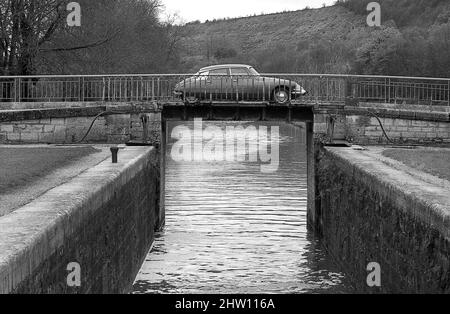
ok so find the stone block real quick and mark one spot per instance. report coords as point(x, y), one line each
point(401, 129)
point(427, 130)
point(443, 135)
point(418, 123)
point(58, 121)
point(29, 137)
point(47, 138)
point(49, 128)
point(155, 117)
point(401, 122)
point(119, 139)
point(373, 133)
point(59, 136)
point(320, 128)
point(78, 121)
point(395, 134)
point(13, 137)
point(320, 118)
point(119, 120)
point(35, 128)
point(8, 128)
point(60, 129)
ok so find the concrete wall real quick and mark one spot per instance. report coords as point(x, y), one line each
point(67, 125)
point(103, 219)
point(367, 212)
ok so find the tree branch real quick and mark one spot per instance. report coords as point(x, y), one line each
point(91, 45)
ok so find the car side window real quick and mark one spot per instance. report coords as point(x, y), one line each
point(239, 71)
point(219, 72)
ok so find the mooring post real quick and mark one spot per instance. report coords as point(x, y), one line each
point(115, 153)
point(145, 122)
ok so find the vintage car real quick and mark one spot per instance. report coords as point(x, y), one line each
point(237, 82)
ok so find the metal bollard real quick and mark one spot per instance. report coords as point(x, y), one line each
point(115, 152)
point(145, 121)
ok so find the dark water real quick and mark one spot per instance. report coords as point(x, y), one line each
point(233, 229)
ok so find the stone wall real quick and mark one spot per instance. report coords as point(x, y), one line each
point(368, 212)
point(104, 220)
point(357, 126)
point(367, 130)
point(69, 125)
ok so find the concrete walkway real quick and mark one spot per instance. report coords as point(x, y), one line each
point(22, 195)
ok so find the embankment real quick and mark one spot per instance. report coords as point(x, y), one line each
point(370, 211)
point(103, 220)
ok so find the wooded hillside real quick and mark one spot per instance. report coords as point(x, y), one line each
point(413, 40)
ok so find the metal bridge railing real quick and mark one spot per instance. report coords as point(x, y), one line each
point(219, 88)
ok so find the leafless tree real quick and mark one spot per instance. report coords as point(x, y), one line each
point(115, 36)
point(25, 25)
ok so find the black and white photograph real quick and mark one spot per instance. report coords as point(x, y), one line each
point(226, 156)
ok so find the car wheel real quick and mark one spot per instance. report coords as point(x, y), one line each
point(281, 95)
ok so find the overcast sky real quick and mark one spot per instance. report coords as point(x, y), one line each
point(191, 10)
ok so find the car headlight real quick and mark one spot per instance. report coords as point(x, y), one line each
point(300, 90)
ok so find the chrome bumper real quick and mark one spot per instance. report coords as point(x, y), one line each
point(299, 93)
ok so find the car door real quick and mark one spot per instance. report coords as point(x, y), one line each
point(243, 84)
point(220, 85)
point(194, 87)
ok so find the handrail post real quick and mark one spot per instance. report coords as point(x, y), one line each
point(347, 89)
point(237, 89)
point(385, 91)
point(142, 88)
point(104, 89)
point(81, 91)
point(264, 89)
point(389, 91)
point(17, 89)
point(448, 93)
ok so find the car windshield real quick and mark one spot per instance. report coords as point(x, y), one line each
point(253, 72)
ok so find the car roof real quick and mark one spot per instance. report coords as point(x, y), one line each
point(224, 66)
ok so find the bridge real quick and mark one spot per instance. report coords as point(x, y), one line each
point(220, 90)
point(330, 99)
point(219, 97)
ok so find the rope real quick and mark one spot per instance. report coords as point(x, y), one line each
point(381, 125)
point(95, 119)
